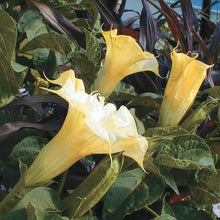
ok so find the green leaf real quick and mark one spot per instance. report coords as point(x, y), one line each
point(150, 164)
point(148, 101)
point(165, 131)
point(140, 126)
point(82, 63)
point(52, 41)
point(196, 118)
point(44, 198)
point(86, 217)
point(131, 191)
point(166, 209)
point(93, 49)
point(167, 176)
point(10, 80)
point(32, 24)
point(88, 193)
point(185, 152)
point(214, 91)
point(188, 210)
point(165, 217)
point(34, 213)
point(91, 8)
point(123, 91)
point(207, 190)
point(26, 151)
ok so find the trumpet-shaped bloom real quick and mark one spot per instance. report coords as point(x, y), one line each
point(123, 57)
point(186, 77)
point(90, 127)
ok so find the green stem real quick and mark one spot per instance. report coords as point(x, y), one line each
point(62, 182)
point(16, 194)
point(151, 211)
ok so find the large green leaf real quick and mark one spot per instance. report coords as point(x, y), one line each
point(44, 59)
point(52, 41)
point(207, 190)
point(87, 194)
point(26, 151)
point(10, 78)
point(93, 49)
point(44, 198)
point(131, 191)
point(32, 24)
point(199, 115)
point(34, 213)
point(165, 131)
point(185, 152)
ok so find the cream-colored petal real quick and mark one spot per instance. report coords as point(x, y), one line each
point(123, 57)
point(186, 77)
point(74, 141)
point(144, 65)
point(90, 127)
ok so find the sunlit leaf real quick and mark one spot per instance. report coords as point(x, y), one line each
point(52, 41)
point(185, 152)
point(10, 79)
point(43, 198)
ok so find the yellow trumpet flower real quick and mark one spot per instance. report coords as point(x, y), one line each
point(186, 77)
point(90, 127)
point(123, 57)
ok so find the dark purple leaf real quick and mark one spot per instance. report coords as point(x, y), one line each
point(216, 43)
point(148, 29)
point(107, 15)
point(60, 23)
point(190, 21)
point(11, 127)
point(32, 101)
point(130, 20)
point(173, 22)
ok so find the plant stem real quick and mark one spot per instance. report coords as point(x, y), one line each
point(62, 182)
point(13, 197)
point(151, 211)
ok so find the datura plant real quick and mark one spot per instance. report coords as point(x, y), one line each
point(90, 127)
point(123, 57)
point(186, 77)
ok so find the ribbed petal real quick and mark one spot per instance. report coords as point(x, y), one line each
point(124, 57)
point(186, 77)
point(90, 127)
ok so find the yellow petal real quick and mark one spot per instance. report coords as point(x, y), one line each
point(186, 77)
point(90, 127)
point(123, 57)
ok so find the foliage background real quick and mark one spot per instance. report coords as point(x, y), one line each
point(42, 37)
